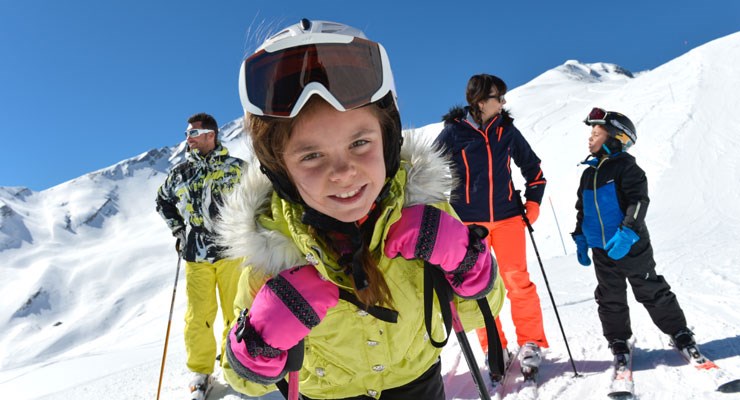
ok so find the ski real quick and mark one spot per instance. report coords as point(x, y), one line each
point(622, 386)
point(528, 385)
point(722, 380)
point(499, 384)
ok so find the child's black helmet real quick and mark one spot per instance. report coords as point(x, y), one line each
point(618, 125)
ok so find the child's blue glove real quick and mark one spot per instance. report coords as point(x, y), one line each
point(619, 245)
point(582, 250)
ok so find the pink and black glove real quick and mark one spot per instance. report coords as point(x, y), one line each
point(284, 311)
point(428, 233)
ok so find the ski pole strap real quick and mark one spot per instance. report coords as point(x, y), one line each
point(295, 357)
point(381, 313)
point(434, 281)
point(292, 364)
point(495, 348)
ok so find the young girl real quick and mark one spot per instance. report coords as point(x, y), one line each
point(337, 224)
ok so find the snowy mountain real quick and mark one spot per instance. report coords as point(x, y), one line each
point(88, 266)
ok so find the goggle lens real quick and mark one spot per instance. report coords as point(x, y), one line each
point(351, 72)
point(597, 116)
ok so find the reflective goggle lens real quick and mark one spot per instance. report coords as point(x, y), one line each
point(351, 72)
point(597, 116)
point(196, 132)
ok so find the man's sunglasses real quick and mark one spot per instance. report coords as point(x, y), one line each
point(196, 132)
point(498, 97)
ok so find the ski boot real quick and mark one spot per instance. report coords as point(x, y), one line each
point(200, 386)
point(530, 355)
point(683, 341)
point(621, 351)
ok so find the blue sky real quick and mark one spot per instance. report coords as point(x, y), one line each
point(85, 84)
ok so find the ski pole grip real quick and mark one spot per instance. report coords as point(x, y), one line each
point(522, 210)
point(295, 357)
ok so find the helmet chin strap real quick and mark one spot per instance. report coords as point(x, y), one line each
point(354, 230)
point(282, 186)
point(611, 147)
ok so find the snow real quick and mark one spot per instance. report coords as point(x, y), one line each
point(88, 266)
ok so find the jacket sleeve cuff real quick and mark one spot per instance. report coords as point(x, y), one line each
point(476, 283)
point(253, 359)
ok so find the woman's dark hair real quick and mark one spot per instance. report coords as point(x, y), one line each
point(479, 87)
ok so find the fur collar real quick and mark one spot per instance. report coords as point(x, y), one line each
point(458, 113)
point(272, 249)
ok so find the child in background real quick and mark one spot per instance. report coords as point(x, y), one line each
point(612, 204)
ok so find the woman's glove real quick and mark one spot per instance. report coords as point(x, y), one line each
point(582, 249)
point(619, 245)
point(532, 209)
point(284, 311)
point(428, 233)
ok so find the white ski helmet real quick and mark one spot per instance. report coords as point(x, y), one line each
point(328, 59)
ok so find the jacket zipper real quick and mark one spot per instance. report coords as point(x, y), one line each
point(596, 203)
point(490, 163)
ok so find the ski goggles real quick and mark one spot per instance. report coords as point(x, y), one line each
point(347, 73)
point(597, 116)
point(193, 133)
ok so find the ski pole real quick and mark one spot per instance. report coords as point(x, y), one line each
point(547, 284)
point(169, 323)
point(293, 364)
point(293, 385)
point(556, 224)
point(462, 339)
point(434, 280)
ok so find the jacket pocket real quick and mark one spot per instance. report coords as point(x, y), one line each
point(324, 375)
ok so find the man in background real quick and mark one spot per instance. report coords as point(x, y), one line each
point(188, 201)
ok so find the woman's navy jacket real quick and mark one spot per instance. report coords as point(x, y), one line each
point(482, 157)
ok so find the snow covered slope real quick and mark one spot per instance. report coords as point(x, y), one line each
point(88, 266)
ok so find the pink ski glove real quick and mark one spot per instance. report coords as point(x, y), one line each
point(284, 311)
point(428, 233)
